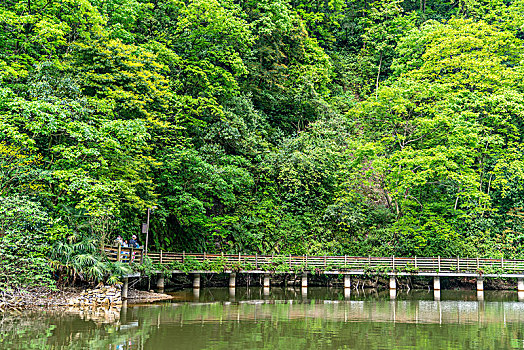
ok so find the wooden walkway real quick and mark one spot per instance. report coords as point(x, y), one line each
point(436, 267)
point(427, 266)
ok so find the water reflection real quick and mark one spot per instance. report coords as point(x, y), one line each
point(392, 294)
point(347, 293)
point(480, 295)
point(282, 319)
point(196, 294)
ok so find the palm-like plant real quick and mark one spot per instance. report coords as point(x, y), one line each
point(79, 259)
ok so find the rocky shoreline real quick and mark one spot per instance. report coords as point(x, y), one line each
point(103, 295)
point(37, 298)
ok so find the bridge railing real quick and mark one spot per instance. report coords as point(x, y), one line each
point(124, 254)
point(348, 263)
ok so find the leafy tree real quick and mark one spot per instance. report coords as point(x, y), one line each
point(442, 130)
point(26, 235)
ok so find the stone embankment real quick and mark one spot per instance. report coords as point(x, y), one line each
point(100, 296)
point(111, 296)
point(103, 295)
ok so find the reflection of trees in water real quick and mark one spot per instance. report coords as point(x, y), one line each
point(75, 328)
point(401, 311)
point(351, 325)
point(272, 324)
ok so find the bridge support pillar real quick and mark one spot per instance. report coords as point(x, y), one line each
point(267, 281)
point(436, 283)
point(196, 281)
point(480, 284)
point(125, 287)
point(304, 280)
point(520, 284)
point(392, 282)
point(160, 282)
point(347, 281)
point(232, 280)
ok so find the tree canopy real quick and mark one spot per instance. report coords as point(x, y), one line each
point(283, 127)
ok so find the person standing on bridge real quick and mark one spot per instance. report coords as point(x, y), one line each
point(119, 241)
point(133, 243)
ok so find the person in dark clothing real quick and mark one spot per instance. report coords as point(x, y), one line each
point(133, 243)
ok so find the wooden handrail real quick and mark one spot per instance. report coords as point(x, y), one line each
point(326, 262)
point(124, 254)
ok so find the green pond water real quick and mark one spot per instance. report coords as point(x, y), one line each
point(217, 318)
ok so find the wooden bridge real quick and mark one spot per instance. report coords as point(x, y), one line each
point(426, 266)
point(436, 267)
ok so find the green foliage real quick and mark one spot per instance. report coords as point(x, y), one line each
point(79, 259)
point(26, 238)
point(278, 127)
point(19, 171)
point(440, 135)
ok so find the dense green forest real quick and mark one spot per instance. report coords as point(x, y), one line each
point(271, 126)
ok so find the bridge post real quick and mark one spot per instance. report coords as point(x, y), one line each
point(160, 282)
point(436, 283)
point(520, 284)
point(347, 281)
point(480, 284)
point(304, 279)
point(125, 287)
point(196, 281)
point(267, 281)
point(436, 294)
point(232, 280)
point(392, 283)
